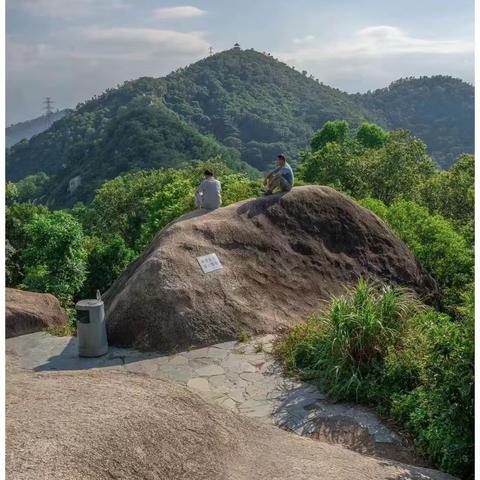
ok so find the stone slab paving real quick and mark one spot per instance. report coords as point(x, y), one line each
point(242, 377)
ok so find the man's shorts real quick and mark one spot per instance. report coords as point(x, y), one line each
point(284, 185)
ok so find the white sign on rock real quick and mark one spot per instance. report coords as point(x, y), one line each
point(209, 263)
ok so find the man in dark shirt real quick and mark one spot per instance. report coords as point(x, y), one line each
point(281, 178)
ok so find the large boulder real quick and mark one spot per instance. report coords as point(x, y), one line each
point(27, 312)
point(282, 256)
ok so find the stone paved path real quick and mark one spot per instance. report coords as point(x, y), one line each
point(242, 377)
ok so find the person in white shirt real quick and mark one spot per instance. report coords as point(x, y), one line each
point(208, 194)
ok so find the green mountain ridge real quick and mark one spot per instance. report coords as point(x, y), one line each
point(438, 109)
point(26, 130)
point(241, 105)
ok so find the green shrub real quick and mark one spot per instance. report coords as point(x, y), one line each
point(435, 242)
point(440, 410)
point(106, 261)
point(378, 345)
point(54, 258)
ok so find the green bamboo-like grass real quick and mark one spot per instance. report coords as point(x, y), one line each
point(346, 341)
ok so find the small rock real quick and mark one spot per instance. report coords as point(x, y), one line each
point(199, 384)
point(210, 370)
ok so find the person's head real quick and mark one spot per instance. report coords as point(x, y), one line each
point(208, 173)
point(281, 160)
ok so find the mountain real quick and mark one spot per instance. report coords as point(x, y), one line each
point(256, 104)
point(240, 104)
point(439, 110)
point(26, 130)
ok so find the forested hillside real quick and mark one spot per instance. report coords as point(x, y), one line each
point(26, 130)
point(241, 105)
point(126, 130)
point(256, 104)
point(439, 110)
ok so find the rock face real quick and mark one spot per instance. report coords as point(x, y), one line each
point(103, 424)
point(27, 312)
point(282, 256)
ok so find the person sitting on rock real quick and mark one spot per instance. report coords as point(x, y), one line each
point(281, 178)
point(208, 195)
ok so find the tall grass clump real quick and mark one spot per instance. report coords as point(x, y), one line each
point(349, 340)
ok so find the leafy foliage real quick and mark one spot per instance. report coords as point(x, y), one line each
point(434, 241)
point(371, 136)
point(396, 169)
point(16, 217)
point(54, 256)
point(373, 345)
point(13, 273)
point(31, 187)
point(11, 193)
point(139, 137)
point(256, 104)
point(333, 131)
point(378, 344)
point(440, 409)
point(137, 205)
point(438, 109)
point(451, 193)
point(106, 260)
point(343, 345)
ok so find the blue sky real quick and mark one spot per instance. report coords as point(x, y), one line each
point(71, 50)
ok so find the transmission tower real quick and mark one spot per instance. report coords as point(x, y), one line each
point(47, 107)
point(210, 50)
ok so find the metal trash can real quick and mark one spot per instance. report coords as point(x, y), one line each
point(91, 328)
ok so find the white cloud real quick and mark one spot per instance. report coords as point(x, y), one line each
point(147, 41)
point(374, 56)
point(77, 65)
point(377, 42)
point(66, 8)
point(302, 40)
point(185, 11)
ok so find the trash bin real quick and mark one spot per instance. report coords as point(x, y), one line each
point(91, 328)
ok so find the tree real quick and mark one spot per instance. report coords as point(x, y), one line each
point(29, 188)
point(451, 193)
point(54, 258)
point(16, 217)
point(135, 206)
point(107, 259)
point(332, 131)
point(399, 169)
point(336, 165)
point(13, 274)
point(371, 136)
point(11, 193)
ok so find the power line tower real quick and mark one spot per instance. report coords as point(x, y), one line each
point(47, 107)
point(210, 50)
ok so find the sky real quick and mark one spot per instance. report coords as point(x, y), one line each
point(71, 50)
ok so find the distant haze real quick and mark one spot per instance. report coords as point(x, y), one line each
point(71, 50)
